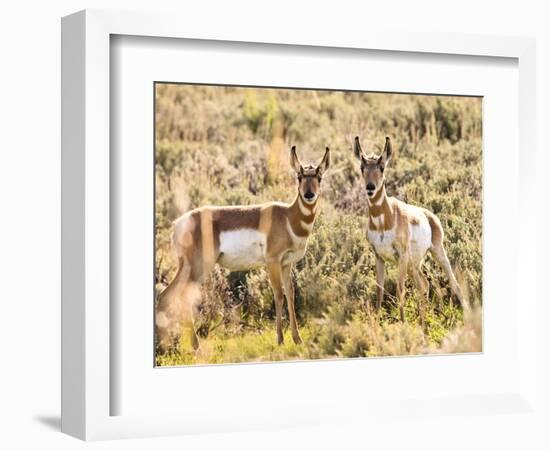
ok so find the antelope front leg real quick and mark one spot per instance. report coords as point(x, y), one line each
point(402, 275)
point(289, 293)
point(424, 288)
point(379, 282)
point(275, 277)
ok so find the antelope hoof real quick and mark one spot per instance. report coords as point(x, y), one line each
point(195, 341)
point(296, 338)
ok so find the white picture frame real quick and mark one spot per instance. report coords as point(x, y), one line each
point(86, 223)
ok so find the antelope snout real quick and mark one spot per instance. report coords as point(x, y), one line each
point(370, 189)
point(309, 196)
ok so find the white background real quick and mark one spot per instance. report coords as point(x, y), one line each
point(30, 136)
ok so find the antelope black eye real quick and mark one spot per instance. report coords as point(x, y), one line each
point(299, 177)
point(319, 178)
point(362, 168)
point(381, 169)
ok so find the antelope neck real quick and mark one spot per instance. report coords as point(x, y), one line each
point(380, 211)
point(301, 216)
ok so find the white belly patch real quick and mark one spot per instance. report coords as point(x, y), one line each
point(383, 243)
point(242, 249)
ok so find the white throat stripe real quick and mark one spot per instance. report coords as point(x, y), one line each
point(305, 211)
point(379, 201)
point(306, 226)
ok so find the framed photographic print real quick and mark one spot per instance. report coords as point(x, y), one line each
point(269, 223)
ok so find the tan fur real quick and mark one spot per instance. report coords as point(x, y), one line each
point(391, 226)
point(196, 241)
point(437, 229)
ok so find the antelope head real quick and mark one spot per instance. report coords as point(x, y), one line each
point(373, 166)
point(309, 177)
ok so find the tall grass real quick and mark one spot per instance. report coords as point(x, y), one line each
point(228, 145)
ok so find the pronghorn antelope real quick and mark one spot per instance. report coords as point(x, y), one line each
point(401, 233)
point(238, 238)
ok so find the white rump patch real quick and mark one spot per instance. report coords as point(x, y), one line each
point(421, 240)
point(242, 249)
point(182, 236)
point(421, 234)
point(161, 320)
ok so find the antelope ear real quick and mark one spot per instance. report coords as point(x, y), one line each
point(387, 153)
point(325, 163)
point(294, 161)
point(357, 150)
